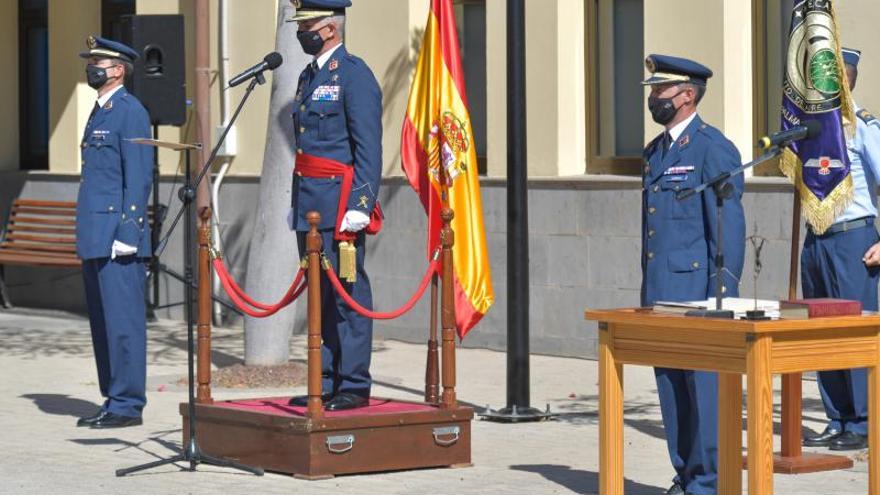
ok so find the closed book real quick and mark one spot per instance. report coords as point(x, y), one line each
point(801, 309)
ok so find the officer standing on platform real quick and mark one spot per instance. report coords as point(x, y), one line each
point(678, 248)
point(843, 263)
point(338, 123)
point(112, 233)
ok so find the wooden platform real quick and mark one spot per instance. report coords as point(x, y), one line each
point(385, 436)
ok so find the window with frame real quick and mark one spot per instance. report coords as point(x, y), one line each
point(33, 74)
point(615, 97)
point(112, 12)
point(470, 19)
point(772, 21)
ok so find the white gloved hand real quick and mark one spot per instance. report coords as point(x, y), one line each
point(354, 221)
point(121, 249)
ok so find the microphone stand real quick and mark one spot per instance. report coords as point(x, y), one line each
point(723, 190)
point(187, 193)
point(187, 190)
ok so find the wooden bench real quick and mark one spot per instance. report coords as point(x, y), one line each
point(38, 233)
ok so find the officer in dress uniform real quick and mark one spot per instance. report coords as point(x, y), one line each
point(843, 263)
point(112, 233)
point(338, 125)
point(679, 243)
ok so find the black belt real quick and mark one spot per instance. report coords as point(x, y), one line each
point(839, 227)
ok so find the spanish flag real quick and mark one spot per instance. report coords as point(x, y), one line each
point(437, 150)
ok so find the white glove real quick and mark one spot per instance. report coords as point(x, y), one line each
point(121, 249)
point(354, 221)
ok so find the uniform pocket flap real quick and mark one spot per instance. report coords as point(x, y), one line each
point(686, 261)
point(676, 182)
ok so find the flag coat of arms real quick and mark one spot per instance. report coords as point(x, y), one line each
point(815, 88)
point(439, 159)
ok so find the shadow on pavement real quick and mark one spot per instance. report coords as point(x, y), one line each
point(171, 447)
point(62, 405)
point(583, 482)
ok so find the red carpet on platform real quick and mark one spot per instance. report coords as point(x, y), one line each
point(278, 406)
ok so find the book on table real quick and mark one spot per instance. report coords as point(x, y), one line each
point(802, 309)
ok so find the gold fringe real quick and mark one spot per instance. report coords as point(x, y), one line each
point(847, 110)
point(820, 214)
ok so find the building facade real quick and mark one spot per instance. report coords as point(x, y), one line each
point(586, 127)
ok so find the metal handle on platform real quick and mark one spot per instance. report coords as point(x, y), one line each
point(455, 431)
point(346, 440)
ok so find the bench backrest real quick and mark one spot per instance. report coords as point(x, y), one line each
point(40, 233)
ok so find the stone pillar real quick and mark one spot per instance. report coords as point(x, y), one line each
point(722, 41)
point(70, 98)
point(555, 87)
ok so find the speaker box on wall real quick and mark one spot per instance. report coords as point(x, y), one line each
point(159, 79)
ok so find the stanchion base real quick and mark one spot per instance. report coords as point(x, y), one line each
point(514, 414)
point(387, 435)
point(807, 463)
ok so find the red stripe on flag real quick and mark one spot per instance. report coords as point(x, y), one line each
point(415, 165)
point(449, 46)
point(466, 316)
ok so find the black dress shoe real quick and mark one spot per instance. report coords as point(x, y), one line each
point(675, 489)
point(90, 420)
point(346, 400)
point(823, 439)
point(849, 441)
point(303, 400)
point(110, 420)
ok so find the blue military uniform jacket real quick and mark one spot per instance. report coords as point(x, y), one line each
point(338, 116)
point(117, 176)
point(679, 239)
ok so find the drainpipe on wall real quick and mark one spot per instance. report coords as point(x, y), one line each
point(229, 148)
point(203, 100)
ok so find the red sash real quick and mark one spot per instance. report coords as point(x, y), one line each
point(324, 168)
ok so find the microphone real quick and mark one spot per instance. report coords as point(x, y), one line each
point(270, 62)
point(809, 130)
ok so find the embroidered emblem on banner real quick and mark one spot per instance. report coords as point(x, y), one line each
point(326, 93)
point(824, 164)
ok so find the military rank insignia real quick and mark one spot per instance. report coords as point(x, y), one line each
point(684, 141)
point(334, 64)
point(867, 117)
point(108, 105)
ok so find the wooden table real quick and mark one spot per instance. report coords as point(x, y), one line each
point(733, 348)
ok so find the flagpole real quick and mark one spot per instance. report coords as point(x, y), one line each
point(518, 382)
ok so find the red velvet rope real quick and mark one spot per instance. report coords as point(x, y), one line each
point(373, 315)
point(246, 303)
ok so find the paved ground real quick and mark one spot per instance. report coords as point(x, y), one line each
point(47, 380)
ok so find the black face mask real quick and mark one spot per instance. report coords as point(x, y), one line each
point(311, 41)
point(96, 76)
point(662, 109)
